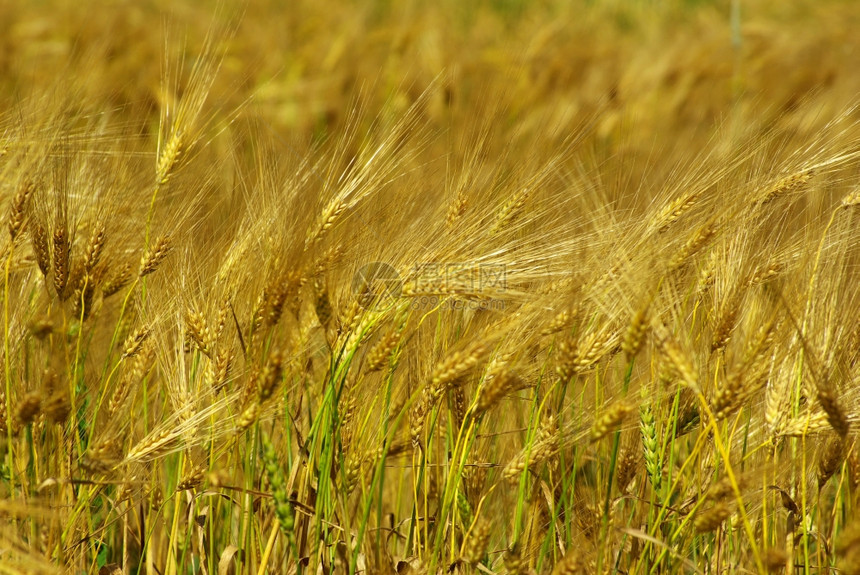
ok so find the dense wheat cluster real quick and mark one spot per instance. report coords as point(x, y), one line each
point(430, 287)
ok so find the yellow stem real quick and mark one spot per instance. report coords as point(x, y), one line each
point(270, 544)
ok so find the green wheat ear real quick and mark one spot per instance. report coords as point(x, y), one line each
point(651, 447)
point(284, 510)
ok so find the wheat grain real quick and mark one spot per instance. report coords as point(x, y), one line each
point(198, 331)
point(674, 210)
point(610, 420)
point(94, 248)
point(379, 355)
point(475, 545)
point(117, 281)
point(219, 371)
point(40, 248)
point(135, 340)
point(789, 184)
point(628, 466)
point(650, 447)
point(16, 211)
point(830, 459)
point(456, 209)
point(154, 255)
point(29, 407)
point(711, 518)
point(61, 262)
point(634, 336)
point(168, 157)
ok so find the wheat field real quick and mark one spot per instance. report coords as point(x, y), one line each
point(498, 286)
